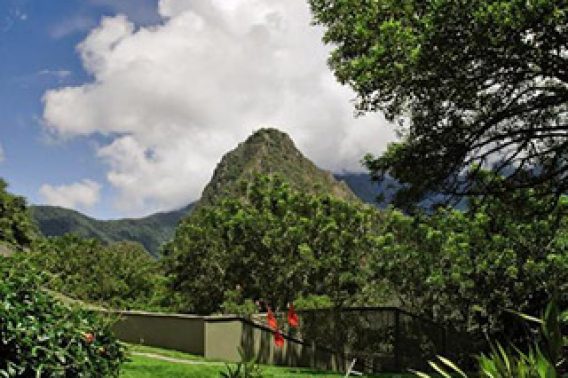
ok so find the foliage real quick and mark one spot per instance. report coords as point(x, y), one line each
point(542, 360)
point(553, 335)
point(234, 303)
point(119, 275)
point(469, 82)
point(312, 302)
point(275, 244)
point(270, 152)
point(16, 227)
point(465, 269)
point(247, 368)
point(501, 364)
point(39, 336)
point(151, 231)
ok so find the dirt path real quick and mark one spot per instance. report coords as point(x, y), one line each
point(175, 360)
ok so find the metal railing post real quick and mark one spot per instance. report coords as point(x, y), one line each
point(397, 340)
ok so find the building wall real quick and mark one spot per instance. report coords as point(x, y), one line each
point(220, 338)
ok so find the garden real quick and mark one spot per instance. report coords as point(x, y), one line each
point(470, 254)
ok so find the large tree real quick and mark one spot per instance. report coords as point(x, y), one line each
point(467, 269)
point(480, 83)
point(274, 244)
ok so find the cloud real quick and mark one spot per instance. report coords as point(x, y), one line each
point(139, 11)
point(13, 16)
point(2, 154)
point(80, 195)
point(76, 24)
point(59, 74)
point(172, 98)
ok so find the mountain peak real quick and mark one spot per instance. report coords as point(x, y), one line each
point(270, 134)
point(271, 151)
point(269, 140)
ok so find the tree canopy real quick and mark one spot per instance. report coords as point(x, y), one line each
point(119, 275)
point(473, 82)
point(272, 243)
point(16, 227)
point(469, 268)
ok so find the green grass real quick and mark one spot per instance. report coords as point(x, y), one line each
point(143, 367)
point(146, 367)
point(163, 352)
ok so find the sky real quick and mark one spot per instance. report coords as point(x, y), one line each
point(124, 108)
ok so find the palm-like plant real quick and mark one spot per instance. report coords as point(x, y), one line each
point(247, 368)
point(540, 361)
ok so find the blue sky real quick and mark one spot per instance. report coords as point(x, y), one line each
point(37, 46)
point(124, 108)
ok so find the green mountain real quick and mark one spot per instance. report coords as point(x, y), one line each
point(368, 190)
point(150, 231)
point(267, 151)
point(270, 151)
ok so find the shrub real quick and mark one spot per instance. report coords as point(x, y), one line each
point(119, 275)
point(16, 227)
point(41, 336)
point(546, 357)
point(247, 368)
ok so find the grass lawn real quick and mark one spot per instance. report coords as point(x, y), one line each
point(149, 366)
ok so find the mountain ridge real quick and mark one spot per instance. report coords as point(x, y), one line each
point(151, 231)
point(270, 151)
point(266, 151)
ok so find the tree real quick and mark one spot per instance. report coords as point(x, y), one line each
point(16, 227)
point(468, 269)
point(274, 244)
point(472, 82)
point(121, 274)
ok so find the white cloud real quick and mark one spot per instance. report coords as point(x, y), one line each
point(71, 26)
point(59, 74)
point(174, 97)
point(139, 11)
point(79, 195)
point(12, 16)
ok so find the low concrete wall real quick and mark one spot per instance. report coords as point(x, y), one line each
point(180, 332)
point(220, 337)
point(224, 337)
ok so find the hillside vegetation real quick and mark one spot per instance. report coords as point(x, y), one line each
point(267, 151)
point(271, 152)
point(151, 231)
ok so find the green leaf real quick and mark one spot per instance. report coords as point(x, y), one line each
point(453, 366)
point(442, 372)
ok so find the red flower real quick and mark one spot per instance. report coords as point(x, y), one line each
point(278, 339)
point(293, 319)
point(271, 320)
point(89, 337)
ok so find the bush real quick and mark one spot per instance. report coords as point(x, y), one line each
point(41, 336)
point(546, 357)
point(313, 302)
point(119, 275)
point(16, 227)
